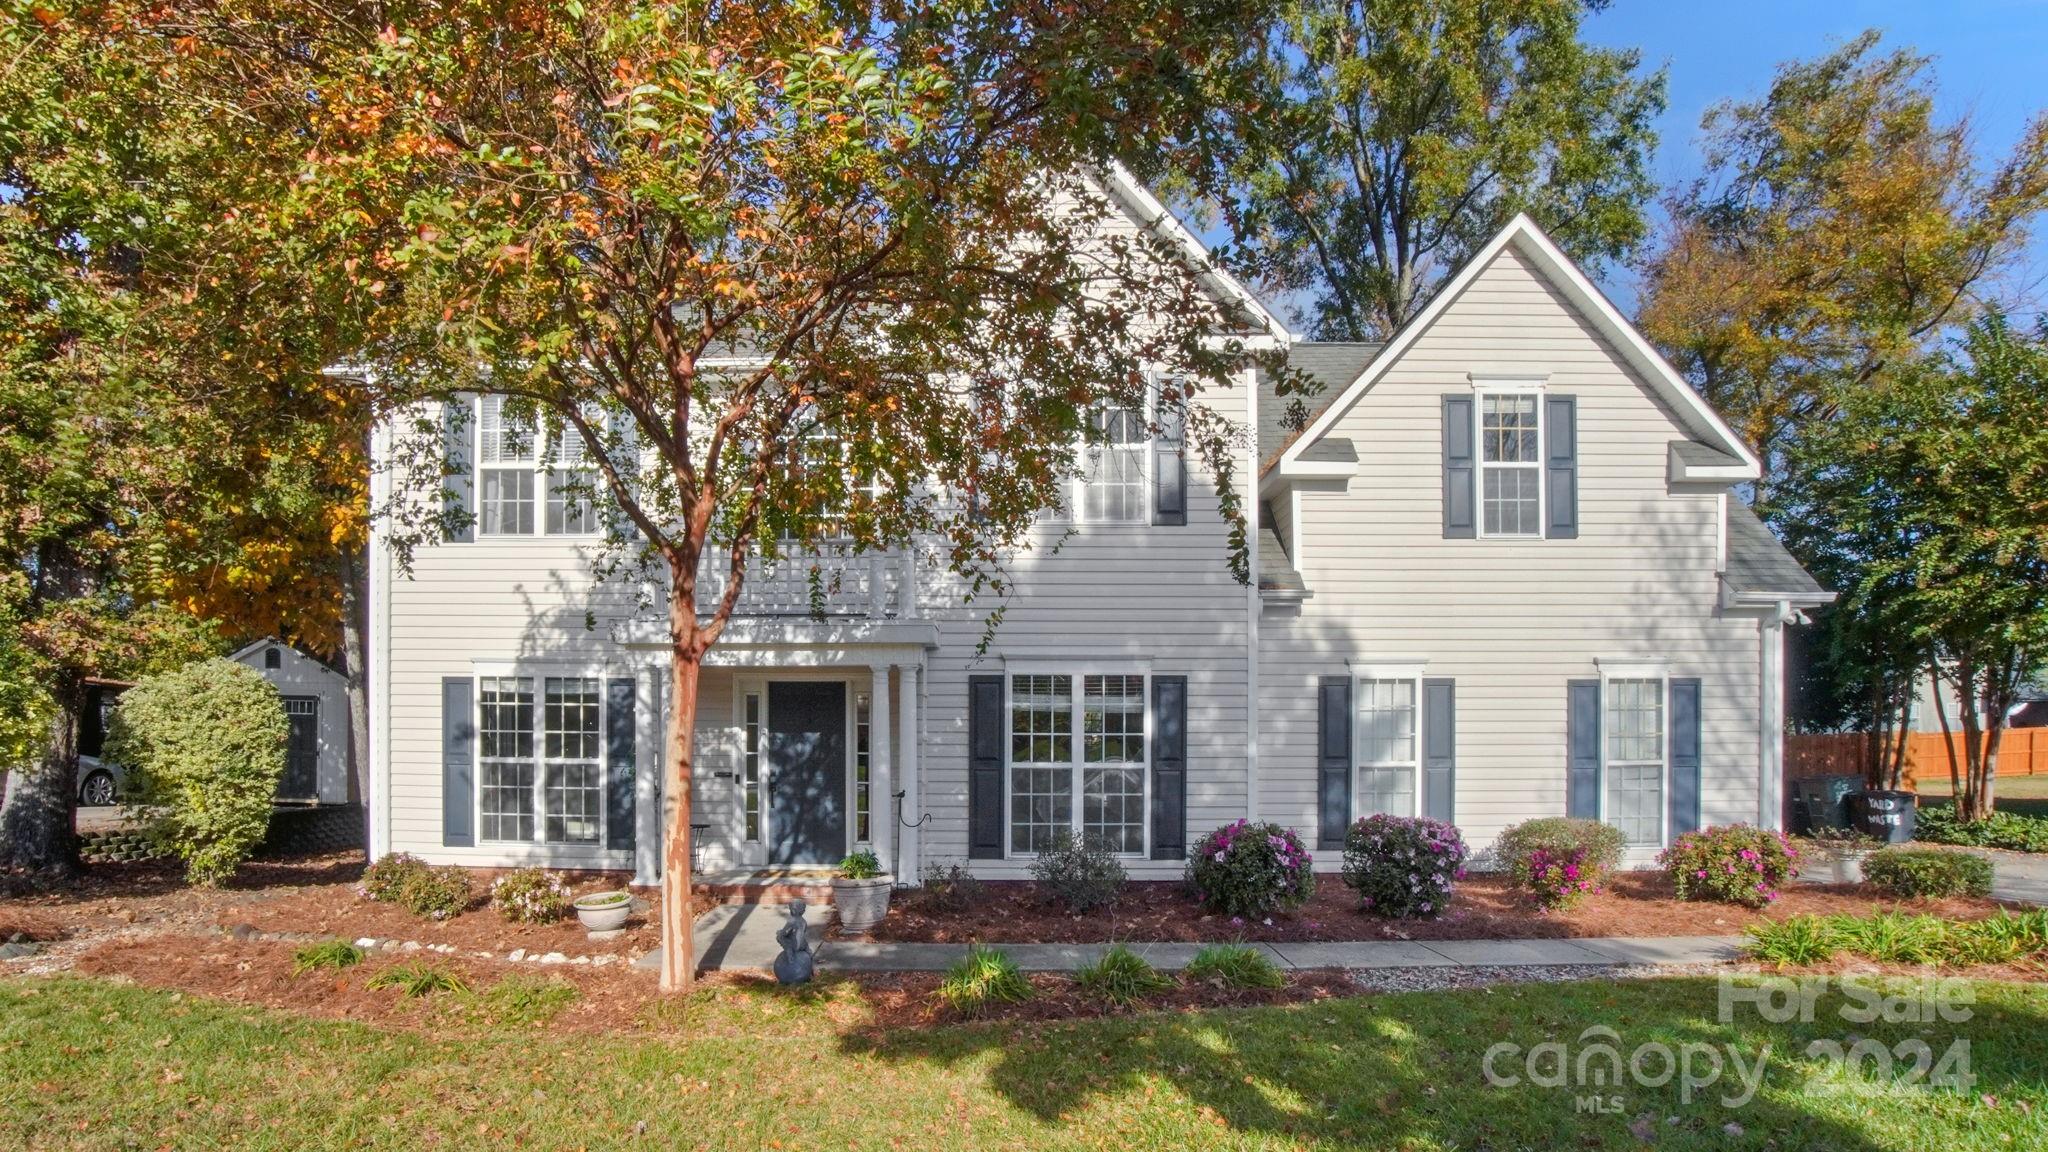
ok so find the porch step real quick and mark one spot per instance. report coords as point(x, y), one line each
point(776, 886)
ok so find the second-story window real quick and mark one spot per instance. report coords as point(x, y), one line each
point(1510, 464)
point(505, 465)
point(571, 512)
point(1112, 485)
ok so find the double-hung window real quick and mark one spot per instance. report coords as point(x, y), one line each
point(1510, 462)
point(516, 494)
point(541, 764)
point(571, 511)
point(1113, 486)
point(1635, 758)
point(1105, 768)
point(1388, 746)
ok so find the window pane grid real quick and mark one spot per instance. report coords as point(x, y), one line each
point(1113, 733)
point(1113, 481)
point(862, 717)
point(507, 504)
point(506, 776)
point(1041, 719)
point(1386, 747)
point(1635, 759)
point(571, 743)
point(1510, 465)
point(750, 769)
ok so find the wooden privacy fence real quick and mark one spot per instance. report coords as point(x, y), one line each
point(2024, 752)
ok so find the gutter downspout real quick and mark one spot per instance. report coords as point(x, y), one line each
point(1253, 605)
point(378, 658)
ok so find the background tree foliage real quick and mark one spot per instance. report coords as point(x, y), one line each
point(1385, 141)
point(1839, 231)
point(1928, 496)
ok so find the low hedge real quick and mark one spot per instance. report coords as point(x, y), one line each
point(1928, 872)
point(1937, 824)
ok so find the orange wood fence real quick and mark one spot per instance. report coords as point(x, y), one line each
point(2023, 752)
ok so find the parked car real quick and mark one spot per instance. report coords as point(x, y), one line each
point(100, 781)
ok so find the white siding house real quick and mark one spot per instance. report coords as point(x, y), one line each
point(1499, 574)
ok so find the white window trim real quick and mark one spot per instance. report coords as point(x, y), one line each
point(1639, 669)
point(542, 466)
point(1482, 387)
point(539, 674)
point(1076, 487)
point(1409, 672)
point(754, 850)
point(1079, 763)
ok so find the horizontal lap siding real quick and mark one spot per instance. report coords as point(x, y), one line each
point(1511, 622)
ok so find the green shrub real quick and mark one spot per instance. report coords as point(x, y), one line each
point(523, 1001)
point(862, 865)
point(1937, 824)
point(1557, 860)
point(531, 896)
point(1251, 871)
point(435, 893)
point(947, 888)
point(1798, 940)
point(1403, 866)
point(1891, 938)
point(204, 746)
point(416, 980)
point(335, 954)
point(384, 879)
point(1077, 875)
point(1234, 966)
point(1121, 977)
point(1732, 863)
point(1929, 872)
point(982, 979)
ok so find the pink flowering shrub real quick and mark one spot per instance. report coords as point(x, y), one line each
point(1557, 860)
point(1403, 866)
point(1733, 863)
point(1558, 879)
point(1251, 871)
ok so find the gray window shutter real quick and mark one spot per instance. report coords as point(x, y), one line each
point(1439, 750)
point(985, 767)
point(1461, 474)
point(458, 483)
point(1685, 756)
point(1169, 473)
point(458, 762)
point(1333, 762)
point(1169, 767)
point(1561, 466)
point(1582, 749)
point(620, 741)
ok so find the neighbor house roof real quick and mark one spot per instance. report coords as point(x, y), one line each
point(1759, 566)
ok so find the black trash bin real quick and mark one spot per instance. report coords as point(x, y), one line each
point(1886, 816)
point(1817, 801)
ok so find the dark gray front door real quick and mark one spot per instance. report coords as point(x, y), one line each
point(806, 772)
point(302, 750)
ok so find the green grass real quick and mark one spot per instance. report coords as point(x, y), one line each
point(2022, 795)
point(1121, 977)
point(335, 954)
point(1234, 966)
point(522, 1002)
point(94, 1065)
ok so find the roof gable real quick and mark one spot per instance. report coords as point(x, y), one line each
point(1544, 258)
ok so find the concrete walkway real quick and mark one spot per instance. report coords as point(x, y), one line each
point(2018, 876)
point(739, 937)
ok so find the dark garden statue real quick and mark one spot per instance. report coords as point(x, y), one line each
point(795, 965)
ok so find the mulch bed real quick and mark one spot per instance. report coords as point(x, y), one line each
point(1485, 907)
point(615, 999)
point(336, 910)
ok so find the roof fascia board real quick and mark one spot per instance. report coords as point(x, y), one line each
point(1155, 217)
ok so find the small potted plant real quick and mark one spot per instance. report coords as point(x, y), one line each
point(604, 911)
point(861, 892)
point(1836, 855)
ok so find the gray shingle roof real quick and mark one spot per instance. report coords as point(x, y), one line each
point(1757, 562)
point(1699, 455)
point(1276, 574)
point(1332, 363)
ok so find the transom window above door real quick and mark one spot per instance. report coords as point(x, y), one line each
point(1048, 768)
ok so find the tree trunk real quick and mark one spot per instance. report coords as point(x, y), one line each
point(355, 573)
point(678, 947)
point(38, 814)
point(1948, 741)
point(1970, 803)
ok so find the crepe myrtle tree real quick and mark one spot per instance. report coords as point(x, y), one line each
point(794, 276)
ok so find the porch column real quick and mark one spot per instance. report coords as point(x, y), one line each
point(881, 812)
point(906, 700)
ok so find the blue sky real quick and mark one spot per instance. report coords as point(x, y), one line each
point(1990, 60)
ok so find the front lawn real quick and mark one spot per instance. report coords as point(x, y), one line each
point(91, 1064)
point(2020, 795)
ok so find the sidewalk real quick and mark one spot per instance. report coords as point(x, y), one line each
point(742, 937)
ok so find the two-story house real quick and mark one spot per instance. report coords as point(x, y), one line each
point(1499, 574)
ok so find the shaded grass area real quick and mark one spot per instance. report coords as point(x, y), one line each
point(91, 1064)
point(2021, 795)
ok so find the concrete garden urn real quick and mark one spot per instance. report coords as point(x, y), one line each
point(862, 903)
point(604, 911)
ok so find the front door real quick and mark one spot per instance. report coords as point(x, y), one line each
point(302, 750)
point(806, 772)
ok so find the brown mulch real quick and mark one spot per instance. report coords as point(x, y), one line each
point(336, 910)
point(1485, 907)
point(615, 998)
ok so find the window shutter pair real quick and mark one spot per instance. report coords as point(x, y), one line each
point(1560, 467)
point(1582, 752)
point(1169, 754)
point(458, 762)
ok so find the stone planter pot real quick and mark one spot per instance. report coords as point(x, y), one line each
point(861, 903)
point(602, 917)
point(1835, 867)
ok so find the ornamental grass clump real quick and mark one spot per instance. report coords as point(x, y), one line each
point(1251, 871)
point(531, 896)
point(1403, 866)
point(982, 979)
point(1121, 977)
point(1732, 863)
point(1557, 860)
point(1234, 966)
